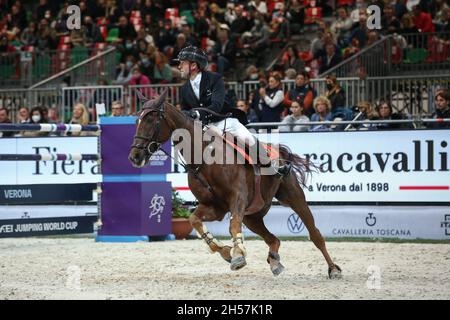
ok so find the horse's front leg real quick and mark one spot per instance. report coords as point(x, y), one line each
point(205, 213)
point(238, 252)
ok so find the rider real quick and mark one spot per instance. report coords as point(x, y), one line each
point(207, 90)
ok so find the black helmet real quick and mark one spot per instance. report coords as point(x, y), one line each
point(193, 54)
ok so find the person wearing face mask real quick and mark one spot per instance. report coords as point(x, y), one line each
point(124, 74)
point(37, 117)
point(146, 65)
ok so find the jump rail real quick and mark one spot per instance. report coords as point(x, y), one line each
point(49, 157)
point(49, 127)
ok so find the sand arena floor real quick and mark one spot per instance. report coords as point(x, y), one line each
point(79, 268)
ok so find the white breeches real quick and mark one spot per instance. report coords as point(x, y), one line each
point(233, 126)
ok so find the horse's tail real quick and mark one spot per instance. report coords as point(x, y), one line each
point(303, 168)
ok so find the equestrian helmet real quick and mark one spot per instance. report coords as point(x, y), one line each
point(193, 54)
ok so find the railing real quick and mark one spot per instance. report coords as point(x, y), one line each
point(407, 53)
point(22, 69)
point(102, 65)
point(413, 95)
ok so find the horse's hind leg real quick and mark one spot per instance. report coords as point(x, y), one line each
point(204, 213)
point(291, 193)
point(256, 224)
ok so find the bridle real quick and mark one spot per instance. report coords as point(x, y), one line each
point(149, 142)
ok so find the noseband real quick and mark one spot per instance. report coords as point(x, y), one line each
point(149, 142)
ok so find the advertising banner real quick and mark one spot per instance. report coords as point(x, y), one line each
point(367, 166)
point(354, 222)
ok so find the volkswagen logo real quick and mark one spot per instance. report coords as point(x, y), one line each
point(295, 224)
point(370, 219)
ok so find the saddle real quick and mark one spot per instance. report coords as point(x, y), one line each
point(269, 155)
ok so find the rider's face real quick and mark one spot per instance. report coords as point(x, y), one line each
point(184, 69)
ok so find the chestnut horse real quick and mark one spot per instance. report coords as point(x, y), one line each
point(223, 188)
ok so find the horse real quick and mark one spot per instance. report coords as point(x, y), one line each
point(222, 188)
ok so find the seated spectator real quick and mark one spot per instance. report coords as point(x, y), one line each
point(37, 117)
point(80, 115)
point(296, 16)
point(91, 31)
point(251, 114)
point(422, 20)
point(124, 71)
point(4, 118)
point(268, 101)
point(389, 22)
point(224, 51)
point(29, 36)
point(442, 105)
point(366, 113)
point(334, 92)
point(385, 112)
point(303, 93)
point(23, 116)
point(341, 27)
point(297, 117)
point(360, 7)
point(330, 58)
point(162, 73)
point(126, 31)
point(257, 40)
point(117, 109)
point(323, 113)
point(292, 59)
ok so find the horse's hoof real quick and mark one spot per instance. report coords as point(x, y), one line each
point(225, 253)
point(238, 263)
point(335, 273)
point(279, 269)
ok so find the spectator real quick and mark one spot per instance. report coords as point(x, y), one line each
point(341, 27)
point(303, 93)
point(117, 109)
point(297, 117)
point(162, 72)
point(4, 118)
point(385, 112)
point(224, 51)
point(23, 116)
point(422, 20)
point(292, 59)
point(323, 113)
point(216, 14)
point(389, 22)
point(80, 115)
point(166, 36)
point(367, 113)
point(258, 39)
point(190, 37)
point(330, 59)
point(296, 16)
point(37, 117)
point(29, 36)
point(139, 79)
point(91, 32)
point(124, 71)
point(335, 94)
point(442, 105)
point(251, 73)
point(251, 114)
point(270, 100)
point(240, 24)
point(126, 31)
point(360, 8)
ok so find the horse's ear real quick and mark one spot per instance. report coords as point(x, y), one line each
point(141, 96)
point(161, 98)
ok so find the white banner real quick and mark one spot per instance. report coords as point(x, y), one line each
point(48, 172)
point(368, 166)
point(51, 211)
point(354, 222)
